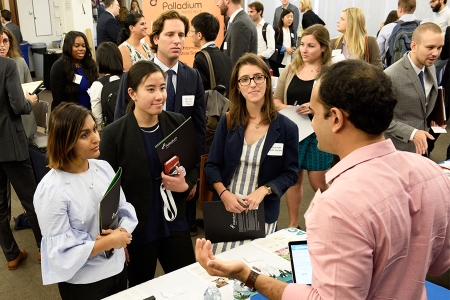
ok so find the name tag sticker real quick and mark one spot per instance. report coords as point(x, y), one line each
point(77, 79)
point(188, 100)
point(292, 35)
point(336, 52)
point(225, 47)
point(276, 150)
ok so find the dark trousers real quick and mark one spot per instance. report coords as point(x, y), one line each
point(191, 209)
point(95, 290)
point(20, 174)
point(275, 66)
point(173, 252)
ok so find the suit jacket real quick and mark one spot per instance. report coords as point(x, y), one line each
point(279, 42)
point(221, 67)
point(278, 172)
point(410, 112)
point(374, 50)
point(108, 28)
point(310, 18)
point(277, 15)
point(240, 38)
point(13, 104)
point(16, 31)
point(122, 146)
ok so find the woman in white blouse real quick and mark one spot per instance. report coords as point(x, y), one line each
point(132, 48)
point(66, 202)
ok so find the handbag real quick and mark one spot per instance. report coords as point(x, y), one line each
point(366, 52)
point(274, 56)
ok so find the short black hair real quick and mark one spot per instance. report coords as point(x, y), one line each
point(362, 90)
point(6, 14)
point(109, 59)
point(207, 24)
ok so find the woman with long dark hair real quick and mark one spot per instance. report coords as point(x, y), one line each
point(131, 47)
point(130, 143)
point(72, 75)
point(284, 41)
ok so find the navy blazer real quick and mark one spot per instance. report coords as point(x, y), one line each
point(108, 28)
point(122, 146)
point(278, 172)
point(279, 42)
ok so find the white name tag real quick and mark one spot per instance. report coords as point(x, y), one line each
point(292, 35)
point(276, 150)
point(336, 52)
point(77, 79)
point(337, 58)
point(188, 100)
point(225, 47)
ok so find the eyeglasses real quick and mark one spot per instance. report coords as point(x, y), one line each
point(257, 79)
point(5, 41)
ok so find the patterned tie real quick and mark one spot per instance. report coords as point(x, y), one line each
point(422, 83)
point(170, 102)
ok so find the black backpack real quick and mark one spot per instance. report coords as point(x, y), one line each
point(264, 32)
point(400, 40)
point(108, 97)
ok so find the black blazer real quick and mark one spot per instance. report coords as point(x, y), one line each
point(279, 42)
point(108, 28)
point(122, 146)
point(221, 65)
point(310, 18)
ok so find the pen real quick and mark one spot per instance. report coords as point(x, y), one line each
point(295, 103)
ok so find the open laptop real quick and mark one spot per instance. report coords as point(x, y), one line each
point(300, 262)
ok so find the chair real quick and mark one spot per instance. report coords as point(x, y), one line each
point(40, 111)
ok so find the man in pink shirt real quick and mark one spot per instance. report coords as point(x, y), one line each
point(383, 223)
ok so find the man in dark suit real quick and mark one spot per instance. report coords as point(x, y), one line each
point(185, 93)
point(108, 27)
point(6, 19)
point(241, 36)
point(416, 100)
point(14, 158)
point(205, 28)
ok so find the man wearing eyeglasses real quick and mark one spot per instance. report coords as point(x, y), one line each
point(108, 27)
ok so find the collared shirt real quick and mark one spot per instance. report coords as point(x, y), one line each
point(166, 68)
point(442, 18)
point(381, 226)
point(345, 50)
point(208, 44)
point(265, 50)
point(386, 31)
point(234, 14)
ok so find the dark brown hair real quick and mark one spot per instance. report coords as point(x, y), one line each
point(158, 25)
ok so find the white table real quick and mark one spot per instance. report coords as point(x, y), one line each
point(193, 280)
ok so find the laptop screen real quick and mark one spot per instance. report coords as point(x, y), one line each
point(300, 262)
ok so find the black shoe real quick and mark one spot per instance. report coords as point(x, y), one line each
point(200, 223)
point(193, 230)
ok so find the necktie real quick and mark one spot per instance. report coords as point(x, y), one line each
point(170, 102)
point(422, 83)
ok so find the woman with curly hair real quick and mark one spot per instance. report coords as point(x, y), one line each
point(72, 75)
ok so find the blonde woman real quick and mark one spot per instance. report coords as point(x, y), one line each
point(308, 16)
point(354, 42)
point(294, 88)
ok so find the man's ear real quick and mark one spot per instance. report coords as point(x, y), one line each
point(155, 39)
point(337, 118)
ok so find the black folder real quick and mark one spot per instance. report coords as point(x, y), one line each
point(108, 209)
point(224, 226)
point(438, 112)
point(182, 142)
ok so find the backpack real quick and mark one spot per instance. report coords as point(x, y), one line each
point(108, 97)
point(264, 32)
point(216, 104)
point(400, 40)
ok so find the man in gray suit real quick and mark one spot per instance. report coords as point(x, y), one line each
point(241, 36)
point(414, 81)
point(14, 158)
point(284, 5)
point(6, 19)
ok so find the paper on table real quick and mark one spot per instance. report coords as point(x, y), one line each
point(438, 129)
point(303, 122)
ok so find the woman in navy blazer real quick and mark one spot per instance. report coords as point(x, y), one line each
point(285, 49)
point(255, 123)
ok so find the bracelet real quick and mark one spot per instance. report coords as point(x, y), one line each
point(250, 282)
point(220, 195)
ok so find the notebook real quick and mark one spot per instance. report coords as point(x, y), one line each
point(300, 262)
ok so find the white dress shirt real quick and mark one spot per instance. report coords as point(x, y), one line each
point(265, 50)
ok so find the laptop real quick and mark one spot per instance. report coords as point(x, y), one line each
point(300, 262)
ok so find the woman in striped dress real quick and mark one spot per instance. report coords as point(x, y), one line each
point(253, 156)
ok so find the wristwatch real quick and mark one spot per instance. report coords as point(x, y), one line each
point(269, 189)
point(251, 279)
